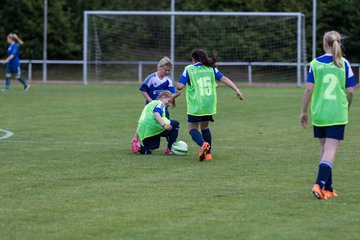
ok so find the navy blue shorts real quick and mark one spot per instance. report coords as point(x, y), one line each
point(13, 70)
point(192, 118)
point(335, 132)
point(154, 141)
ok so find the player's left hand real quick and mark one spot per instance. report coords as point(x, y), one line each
point(4, 62)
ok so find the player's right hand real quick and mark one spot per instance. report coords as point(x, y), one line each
point(240, 95)
point(168, 127)
point(303, 120)
point(178, 93)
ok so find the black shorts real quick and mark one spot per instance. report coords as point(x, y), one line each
point(154, 141)
point(335, 132)
point(192, 118)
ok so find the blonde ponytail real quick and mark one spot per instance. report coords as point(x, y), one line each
point(333, 40)
point(337, 53)
point(168, 94)
point(15, 38)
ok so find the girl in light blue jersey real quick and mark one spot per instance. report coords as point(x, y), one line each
point(329, 87)
point(158, 81)
point(13, 62)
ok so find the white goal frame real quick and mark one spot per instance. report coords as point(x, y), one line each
point(299, 16)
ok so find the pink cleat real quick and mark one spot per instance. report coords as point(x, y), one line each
point(135, 145)
point(168, 152)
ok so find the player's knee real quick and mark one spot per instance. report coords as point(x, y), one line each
point(174, 123)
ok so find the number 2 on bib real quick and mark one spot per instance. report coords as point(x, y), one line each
point(332, 81)
point(205, 86)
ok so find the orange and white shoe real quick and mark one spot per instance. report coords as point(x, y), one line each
point(317, 192)
point(204, 151)
point(330, 194)
point(208, 157)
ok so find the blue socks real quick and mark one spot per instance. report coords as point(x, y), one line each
point(7, 83)
point(328, 184)
point(324, 175)
point(171, 138)
point(197, 137)
point(207, 137)
point(22, 81)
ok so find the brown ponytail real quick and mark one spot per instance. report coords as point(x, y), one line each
point(333, 40)
point(200, 55)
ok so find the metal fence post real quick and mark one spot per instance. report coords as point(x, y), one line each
point(30, 71)
point(298, 67)
point(250, 73)
point(140, 72)
point(85, 48)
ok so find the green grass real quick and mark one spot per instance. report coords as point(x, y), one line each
point(68, 172)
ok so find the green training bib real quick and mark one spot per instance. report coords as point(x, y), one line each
point(148, 126)
point(329, 104)
point(201, 92)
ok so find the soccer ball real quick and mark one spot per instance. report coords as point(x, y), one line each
point(179, 148)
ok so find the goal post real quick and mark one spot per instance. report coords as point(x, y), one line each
point(123, 45)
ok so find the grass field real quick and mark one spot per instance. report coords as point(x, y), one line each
point(68, 171)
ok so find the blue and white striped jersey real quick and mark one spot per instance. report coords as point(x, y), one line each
point(153, 85)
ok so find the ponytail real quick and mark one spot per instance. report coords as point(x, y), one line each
point(200, 55)
point(168, 94)
point(333, 40)
point(15, 38)
point(337, 53)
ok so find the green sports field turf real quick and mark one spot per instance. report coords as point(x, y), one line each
point(69, 173)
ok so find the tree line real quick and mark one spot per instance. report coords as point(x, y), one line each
point(65, 21)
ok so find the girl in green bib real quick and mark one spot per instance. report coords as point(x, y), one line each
point(153, 124)
point(200, 81)
point(329, 90)
point(153, 85)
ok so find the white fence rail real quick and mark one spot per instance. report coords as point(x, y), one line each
point(140, 65)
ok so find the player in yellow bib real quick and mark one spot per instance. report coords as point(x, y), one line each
point(153, 85)
point(153, 124)
point(329, 87)
point(200, 81)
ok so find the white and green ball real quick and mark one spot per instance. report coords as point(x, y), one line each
point(179, 148)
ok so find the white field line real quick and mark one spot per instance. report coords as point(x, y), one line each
point(7, 134)
point(114, 144)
